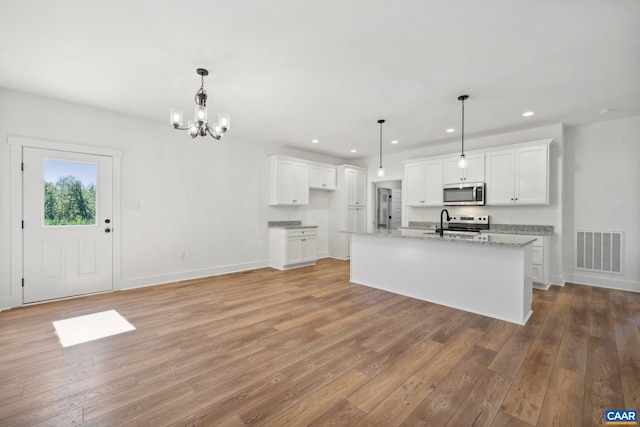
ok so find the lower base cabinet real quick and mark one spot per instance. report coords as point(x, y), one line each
point(292, 248)
point(540, 262)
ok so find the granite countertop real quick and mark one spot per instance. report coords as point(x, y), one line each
point(531, 230)
point(289, 225)
point(513, 241)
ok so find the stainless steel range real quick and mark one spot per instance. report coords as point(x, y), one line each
point(471, 225)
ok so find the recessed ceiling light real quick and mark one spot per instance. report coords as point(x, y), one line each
point(450, 130)
point(394, 142)
point(607, 110)
point(528, 114)
point(315, 141)
point(353, 150)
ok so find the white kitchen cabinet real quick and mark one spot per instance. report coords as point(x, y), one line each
point(288, 181)
point(356, 186)
point(423, 183)
point(322, 177)
point(518, 176)
point(474, 172)
point(356, 219)
point(347, 209)
point(541, 259)
point(292, 248)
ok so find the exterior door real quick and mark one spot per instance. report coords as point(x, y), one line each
point(67, 211)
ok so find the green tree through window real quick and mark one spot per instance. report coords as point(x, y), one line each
point(69, 202)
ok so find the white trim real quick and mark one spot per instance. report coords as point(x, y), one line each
point(160, 279)
point(17, 143)
point(597, 280)
point(63, 146)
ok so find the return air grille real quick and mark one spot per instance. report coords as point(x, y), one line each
point(599, 251)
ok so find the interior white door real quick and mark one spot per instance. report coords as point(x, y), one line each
point(68, 229)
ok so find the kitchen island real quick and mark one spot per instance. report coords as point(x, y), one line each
point(487, 275)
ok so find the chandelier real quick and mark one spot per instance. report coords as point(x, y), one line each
point(200, 126)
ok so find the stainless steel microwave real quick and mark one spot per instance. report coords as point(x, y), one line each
point(467, 194)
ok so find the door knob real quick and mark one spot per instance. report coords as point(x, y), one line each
point(107, 230)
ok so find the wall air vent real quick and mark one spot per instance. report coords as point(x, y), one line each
point(601, 251)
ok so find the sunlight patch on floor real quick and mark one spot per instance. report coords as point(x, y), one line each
point(77, 330)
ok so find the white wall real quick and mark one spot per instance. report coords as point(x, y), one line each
point(603, 169)
point(204, 197)
point(535, 215)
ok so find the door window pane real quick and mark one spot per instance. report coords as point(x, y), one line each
point(69, 193)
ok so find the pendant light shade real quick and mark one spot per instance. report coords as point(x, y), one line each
point(380, 168)
point(462, 162)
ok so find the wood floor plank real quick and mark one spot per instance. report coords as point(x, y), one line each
point(379, 388)
point(399, 404)
point(482, 404)
point(563, 398)
point(441, 404)
point(307, 347)
point(530, 384)
point(342, 414)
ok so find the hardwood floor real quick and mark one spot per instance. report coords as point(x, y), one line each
point(306, 347)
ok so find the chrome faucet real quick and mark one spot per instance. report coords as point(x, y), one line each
point(441, 225)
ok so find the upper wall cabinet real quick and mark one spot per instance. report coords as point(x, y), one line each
point(356, 186)
point(423, 183)
point(518, 176)
point(474, 172)
point(288, 181)
point(322, 177)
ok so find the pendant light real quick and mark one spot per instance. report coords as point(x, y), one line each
point(380, 168)
point(462, 162)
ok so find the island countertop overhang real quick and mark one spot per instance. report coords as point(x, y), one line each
point(482, 239)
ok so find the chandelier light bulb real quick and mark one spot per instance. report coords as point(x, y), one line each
point(381, 172)
point(176, 117)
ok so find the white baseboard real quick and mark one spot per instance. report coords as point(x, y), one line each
point(141, 282)
point(603, 282)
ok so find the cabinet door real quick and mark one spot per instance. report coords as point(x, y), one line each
point(531, 175)
point(474, 172)
point(294, 250)
point(356, 183)
point(414, 184)
point(500, 178)
point(309, 252)
point(433, 183)
point(293, 183)
point(301, 184)
point(322, 177)
point(356, 219)
point(452, 173)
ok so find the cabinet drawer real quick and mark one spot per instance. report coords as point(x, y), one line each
point(537, 273)
point(302, 232)
point(538, 255)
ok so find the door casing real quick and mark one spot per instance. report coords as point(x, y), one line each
point(14, 298)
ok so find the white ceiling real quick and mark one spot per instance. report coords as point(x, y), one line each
point(289, 71)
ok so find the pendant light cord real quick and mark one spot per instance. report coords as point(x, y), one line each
point(380, 144)
point(463, 126)
point(381, 121)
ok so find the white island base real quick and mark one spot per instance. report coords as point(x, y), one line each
point(491, 280)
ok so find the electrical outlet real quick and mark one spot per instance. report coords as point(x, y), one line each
point(616, 208)
point(181, 255)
